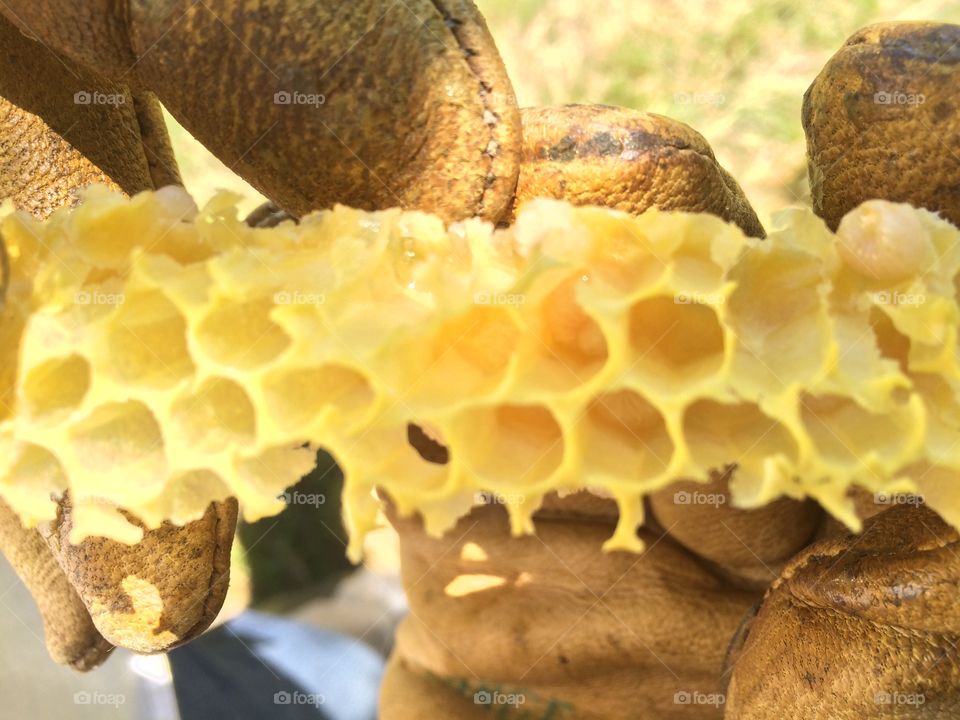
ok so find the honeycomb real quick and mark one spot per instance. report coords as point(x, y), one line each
point(157, 357)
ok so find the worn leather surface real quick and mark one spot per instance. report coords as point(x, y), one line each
point(50, 146)
point(65, 127)
point(627, 160)
point(52, 142)
point(857, 628)
point(154, 595)
point(750, 547)
point(92, 33)
point(578, 632)
point(417, 110)
point(414, 695)
point(161, 163)
point(71, 637)
point(882, 120)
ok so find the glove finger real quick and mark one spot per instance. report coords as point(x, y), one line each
point(749, 546)
point(856, 627)
point(159, 593)
point(627, 160)
point(64, 128)
point(71, 637)
point(554, 619)
point(880, 122)
point(373, 104)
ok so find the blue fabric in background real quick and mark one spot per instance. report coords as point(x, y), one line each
point(261, 666)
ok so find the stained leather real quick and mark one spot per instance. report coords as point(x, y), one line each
point(880, 122)
point(858, 627)
point(63, 128)
point(372, 103)
point(627, 160)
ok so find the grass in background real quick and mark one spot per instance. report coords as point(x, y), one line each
point(203, 175)
point(735, 70)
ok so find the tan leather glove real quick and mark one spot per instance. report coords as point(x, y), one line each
point(682, 599)
point(385, 104)
point(371, 103)
point(63, 128)
point(549, 625)
point(868, 626)
point(851, 626)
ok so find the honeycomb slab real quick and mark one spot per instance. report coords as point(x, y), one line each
point(157, 357)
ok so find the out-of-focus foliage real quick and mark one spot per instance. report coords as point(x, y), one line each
point(735, 70)
point(300, 553)
point(203, 174)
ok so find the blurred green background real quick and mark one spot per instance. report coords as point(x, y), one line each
point(735, 70)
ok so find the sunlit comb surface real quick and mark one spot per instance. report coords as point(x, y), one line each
point(156, 358)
